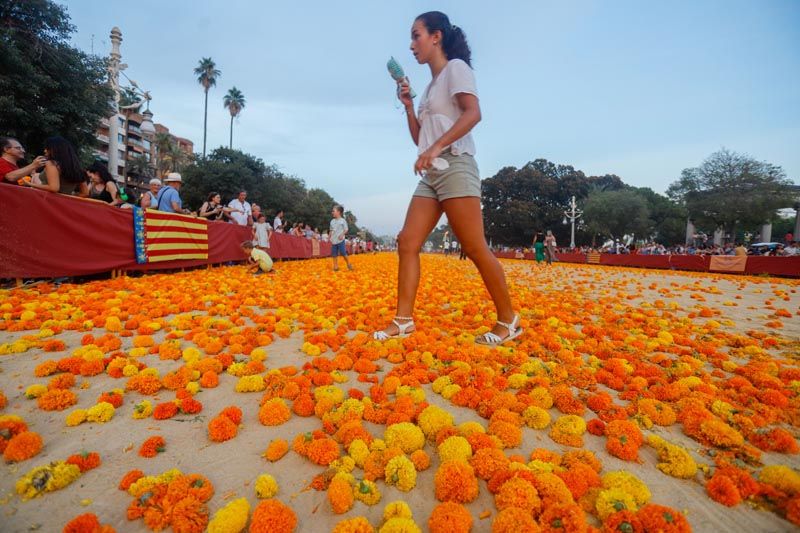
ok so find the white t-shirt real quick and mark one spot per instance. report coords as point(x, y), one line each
point(438, 107)
point(241, 218)
point(277, 224)
point(338, 230)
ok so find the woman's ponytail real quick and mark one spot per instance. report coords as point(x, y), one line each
point(454, 42)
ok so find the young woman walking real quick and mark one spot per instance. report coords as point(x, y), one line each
point(448, 111)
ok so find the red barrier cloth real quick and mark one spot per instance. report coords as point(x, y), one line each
point(45, 235)
point(728, 263)
point(571, 257)
point(778, 266)
point(641, 261)
point(697, 263)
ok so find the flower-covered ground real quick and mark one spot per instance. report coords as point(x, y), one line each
point(637, 400)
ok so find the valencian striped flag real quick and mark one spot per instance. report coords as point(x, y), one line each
point(161, 236)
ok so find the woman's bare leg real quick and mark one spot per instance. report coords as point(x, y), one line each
point(466, 219)
point(422, 215)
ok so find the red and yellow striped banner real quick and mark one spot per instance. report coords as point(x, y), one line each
point(170, 236)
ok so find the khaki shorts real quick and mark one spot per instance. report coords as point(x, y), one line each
point(459, 180)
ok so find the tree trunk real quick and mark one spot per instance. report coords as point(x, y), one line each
point(230, 144)
point(205, 124)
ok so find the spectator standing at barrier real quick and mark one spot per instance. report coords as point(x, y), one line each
point(241, 212)
point(259, 260)
point(101, 185)
point(277, 224)
point(150, 198)
point(62, 171)
point(256, 212)
point(169, 197)
point(13, 153)
point(212, 208)
point(261, 231)
point(550, 247)
point(740, 249)
point(338, 230)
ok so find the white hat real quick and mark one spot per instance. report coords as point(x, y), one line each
point(173, 176)
point(155, 181)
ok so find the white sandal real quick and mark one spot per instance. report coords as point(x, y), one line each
point(402, 329)
point(493, 339)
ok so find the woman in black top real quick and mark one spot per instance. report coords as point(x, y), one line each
point(212, 209)
point(102, 186)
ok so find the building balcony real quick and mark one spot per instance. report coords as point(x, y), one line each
point(103, 138)
point(104, 122)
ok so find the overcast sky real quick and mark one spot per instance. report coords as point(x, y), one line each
point(638, 89)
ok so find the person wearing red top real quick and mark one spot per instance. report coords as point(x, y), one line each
point(13, 153)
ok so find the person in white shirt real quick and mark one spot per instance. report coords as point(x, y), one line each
point(241, 213)
point(448, 110)
point(277, 224)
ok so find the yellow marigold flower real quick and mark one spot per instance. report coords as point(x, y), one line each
point(46, 479)
point(378, 445)
point(538, 466)
point(675, 461)
point(455, 448)
point(232, 518)
point(628, 483)
point(468, 428)
point(237, 369)
point(400, 525)
point(254, 383)
point(406, 436)
point(540, 397)
point(517, 381)
point(781, 477)
point(192, 387)
point(358, 524)
point(258, 354)
point(138, 352)
point(113, 324)
point(396, 509)
point(34, 391)
point(432, 419)
point(130, 370)
point(367, 492)
point(191, 354)
point(345, 464)
point(450, 391)
point(440, 383)
point(611, 501)
point(142, 409)
point(266, 486)
point(536, 417)
point(329, 392)
point(401, 473)
point(76, 417)
point(416, 393)
point(101, 413)
point(359, 451)
point(150, 371)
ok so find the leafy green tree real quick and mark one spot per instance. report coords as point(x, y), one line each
point(47, 87)
point(234, 102)
point(315, 209)
point(207, 74)
point(616, 213)
point(667, 218)
point(729, 190)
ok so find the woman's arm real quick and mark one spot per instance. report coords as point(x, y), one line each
point(470, 116)
point(112, 189)
point(52, 178)
point(408, 103)
point(144, 203)
point(204, 211)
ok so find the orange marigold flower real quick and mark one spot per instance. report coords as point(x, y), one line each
point(487, 461)
point(272, 516)
point(514, 520)
point(54, 346)
point(87, 523)
point(450, 517)
point(563, 517)
point(793, 511)
point(322, 451)
point(579, 479)
point(62, 381)
point(517, 492)
point(276, 449)
point(163, 411)
point(340, 495)
point(456, 481)
point(56, 400)
point(421, 460)
point(659, 518)
point(722, 489)
point(189, 515)
point(22, 446)
point(303, 405)
point(596, 427)
point(221, 428)
point(152, 446)
point(3, 400)
point(624, 521)
point(114, 398)
point(274, 412)
point(209, 379)
point(130, 478)
point(85, 461)
point(45, 368)
point(191, 406)
point(233, 413)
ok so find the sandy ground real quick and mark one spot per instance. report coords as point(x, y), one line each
point(234, 465)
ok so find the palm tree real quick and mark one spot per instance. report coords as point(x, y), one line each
point(207, 74)
point(164, 147)
point(234, 102)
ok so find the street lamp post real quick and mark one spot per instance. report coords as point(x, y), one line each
point(572, 214)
